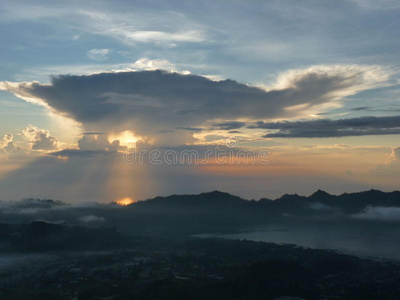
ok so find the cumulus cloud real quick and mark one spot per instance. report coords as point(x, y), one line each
point(8, 137)
point(390, 171)
point(40, 139)
point(388, 214)
point(95, 142)
point(153, 104)
point(98, 54)
point(7, 144)
point(332, 128)
point(395, 155)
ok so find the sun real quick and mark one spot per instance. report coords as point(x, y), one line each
point(126, 138)
point(125, 201)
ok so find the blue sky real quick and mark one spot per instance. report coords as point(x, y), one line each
point(248, 42)
point(314, 59)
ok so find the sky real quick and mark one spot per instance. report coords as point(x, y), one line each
point(104, 100)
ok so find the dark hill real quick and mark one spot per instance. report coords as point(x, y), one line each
point(221, 203)
point(43, 236)
point(215, 200)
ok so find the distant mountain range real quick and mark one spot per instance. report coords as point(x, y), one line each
point(218, 211)
point(319, 201)
point(183, 215)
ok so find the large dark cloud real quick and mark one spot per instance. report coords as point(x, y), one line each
point(154, 104)
point(333, 128)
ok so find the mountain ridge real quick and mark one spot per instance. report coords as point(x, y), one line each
point(350, 201)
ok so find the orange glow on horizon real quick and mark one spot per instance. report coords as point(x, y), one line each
point(125, 201)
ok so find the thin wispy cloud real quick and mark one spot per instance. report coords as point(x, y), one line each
point(129, 28)
point(98, 54)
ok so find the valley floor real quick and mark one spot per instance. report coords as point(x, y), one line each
point(202, 269)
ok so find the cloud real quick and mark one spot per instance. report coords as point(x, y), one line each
point(194, 129)
point(8, 137)
point(390, 171)
point(154, 103)
point(230, 125)
point(333, 128)
point(395, 155)
point(134, 25)
point(332, 81)
point(377, 213)
point(320, 206)
point(98, 54)
point(93, 133)
point(143, 63)
point(361, 108)
point(7, 144)
point(143, 27)
point(161, 36)
point(40, 139)
point(91, 218)
point(94, 142)
point(65, 153)
point(367, 108)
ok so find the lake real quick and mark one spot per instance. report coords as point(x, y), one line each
point(361, 241)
